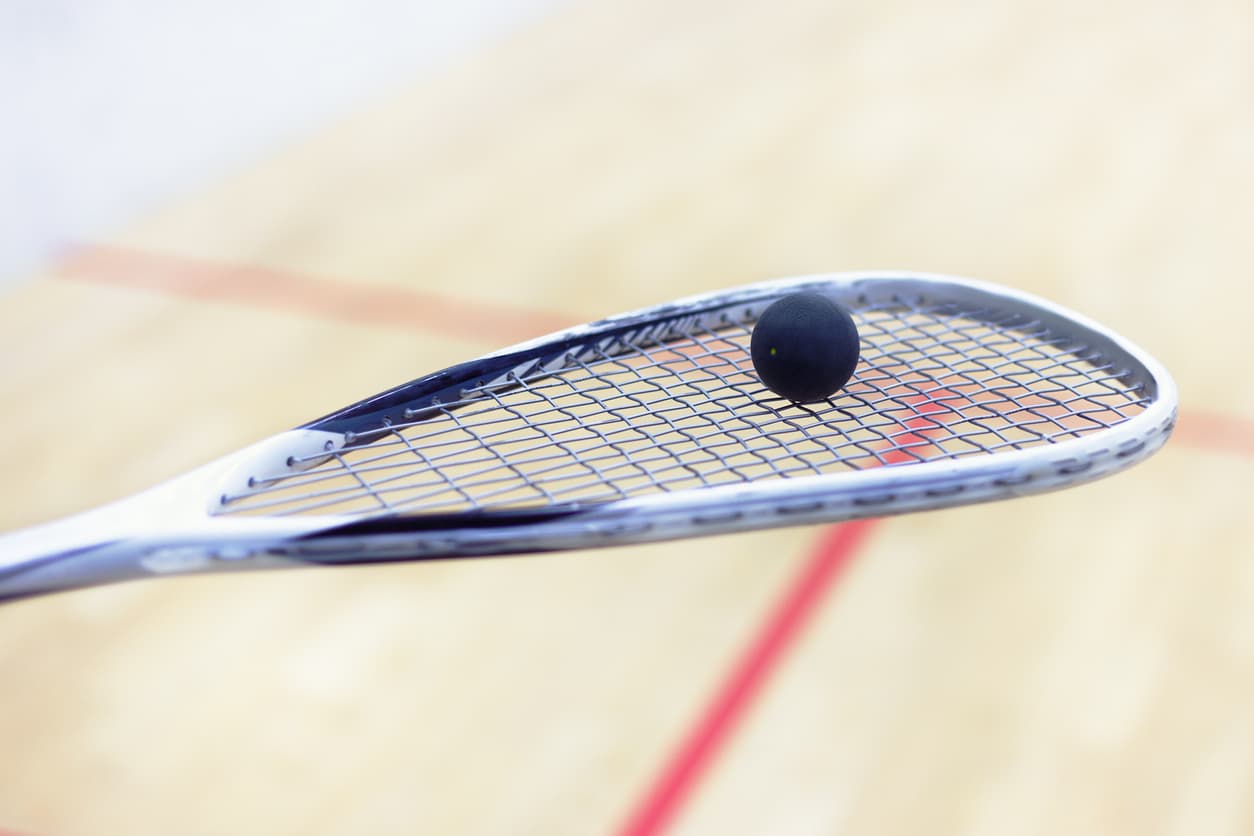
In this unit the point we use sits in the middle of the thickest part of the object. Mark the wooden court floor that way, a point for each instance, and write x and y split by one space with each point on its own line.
1077 663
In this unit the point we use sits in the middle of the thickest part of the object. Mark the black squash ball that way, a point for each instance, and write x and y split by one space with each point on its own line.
804 347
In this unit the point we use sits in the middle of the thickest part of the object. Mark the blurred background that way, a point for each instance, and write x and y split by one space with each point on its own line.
125 104
220 220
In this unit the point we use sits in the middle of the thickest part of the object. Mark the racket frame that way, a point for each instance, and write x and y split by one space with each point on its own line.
177 527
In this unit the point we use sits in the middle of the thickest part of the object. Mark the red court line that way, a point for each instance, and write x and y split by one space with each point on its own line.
292 292
403 307
1222 433
698 749
701 744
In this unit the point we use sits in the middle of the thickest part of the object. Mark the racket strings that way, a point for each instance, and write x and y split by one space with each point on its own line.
641 415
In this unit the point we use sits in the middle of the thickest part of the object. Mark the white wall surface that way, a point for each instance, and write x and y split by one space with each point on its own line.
107 107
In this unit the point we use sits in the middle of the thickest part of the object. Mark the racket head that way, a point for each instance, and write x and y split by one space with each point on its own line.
653 425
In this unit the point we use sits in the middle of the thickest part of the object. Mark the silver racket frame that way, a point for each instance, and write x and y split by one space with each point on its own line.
173 528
